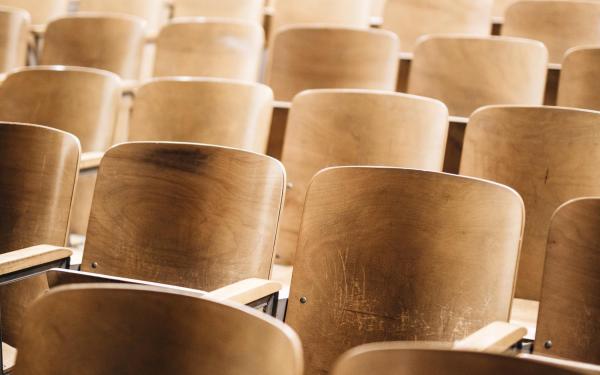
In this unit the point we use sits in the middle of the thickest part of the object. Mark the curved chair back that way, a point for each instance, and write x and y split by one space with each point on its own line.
215 111
500 7
245 10
400 254
14 36
41 11
154 12
579 77
548 154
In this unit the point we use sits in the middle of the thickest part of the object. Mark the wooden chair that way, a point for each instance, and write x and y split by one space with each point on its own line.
154 12
561 25
14 38
211 48
500 7
310 57
215 111
244 10
330 127
400 254
549 155
410 19
578 78
377 7
113 329
94 40
41 11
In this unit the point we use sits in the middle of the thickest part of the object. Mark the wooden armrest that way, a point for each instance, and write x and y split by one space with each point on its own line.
38 30
129 86
496 337
278 104
498 20
376 21
458 119
554 66
90 160
408 56
581 367
245 291
9 357
30 257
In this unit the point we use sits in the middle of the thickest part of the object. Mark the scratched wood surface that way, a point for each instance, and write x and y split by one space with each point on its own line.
395 254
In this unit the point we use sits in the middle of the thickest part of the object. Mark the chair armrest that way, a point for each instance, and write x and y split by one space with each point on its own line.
245 291
408 56
129 86
580 367
496 337
90 160
9 357
458 119
278 104
30 257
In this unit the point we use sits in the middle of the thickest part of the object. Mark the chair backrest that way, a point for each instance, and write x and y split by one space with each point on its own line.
41 11
80 101
500 7
38 170
467 72
560 24
121 329
410 19
111 42
407 358
400 254
313 57
191 215
154 12
333 127
215 111
579 78
548 154
571 283
14 36
210 48
245 10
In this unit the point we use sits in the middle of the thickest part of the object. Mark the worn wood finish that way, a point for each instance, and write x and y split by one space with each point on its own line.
549 155
579 79
113 329
14 36
154 12
468 72
215 111
245 10
571 283
211 48
190 215
355 127
559 24
96 40
41 11
312 57
400 358
410 19
399 254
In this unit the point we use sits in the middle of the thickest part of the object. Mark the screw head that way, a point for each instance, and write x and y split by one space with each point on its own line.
94 264
548 344
303 300
289 185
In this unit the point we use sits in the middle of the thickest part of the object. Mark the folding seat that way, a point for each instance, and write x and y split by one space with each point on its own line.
245 10
116 329
579 79
467 72
332 127
216 111
211 48
154 12
14 38
548 154
400 254
41 11
38 171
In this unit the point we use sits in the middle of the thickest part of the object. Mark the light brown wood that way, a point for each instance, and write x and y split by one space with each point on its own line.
404 358
111 42
29 257
579 77
467 72
500 7
581 368
211 48
559 24
496 337
154 12
191 215
549 155
41 11
571 283
246 10
113 329
524 313
411 19
245 291
90 160
215 111
332 127
9 358
14 37
377 8
313 57
400 254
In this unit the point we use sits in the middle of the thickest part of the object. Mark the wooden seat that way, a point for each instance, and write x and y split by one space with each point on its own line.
549 155
400 254
410 19
561 25
579 75
245 10
311 57
331 127
41 11
215 111
109 42
211 48
113 329
14 37
154 12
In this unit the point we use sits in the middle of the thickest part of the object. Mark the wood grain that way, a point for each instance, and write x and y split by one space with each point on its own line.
154 12
579 77
14 36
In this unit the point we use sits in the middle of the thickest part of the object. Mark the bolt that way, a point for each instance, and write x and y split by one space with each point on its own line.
94 264
289 186
548 344
303 300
